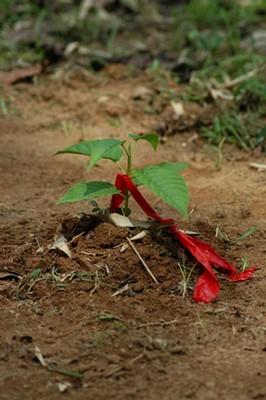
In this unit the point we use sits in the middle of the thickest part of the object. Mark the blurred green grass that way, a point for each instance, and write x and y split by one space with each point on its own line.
199 41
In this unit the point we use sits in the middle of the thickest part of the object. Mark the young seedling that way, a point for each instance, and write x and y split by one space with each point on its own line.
186 275
227 242
3 106
164 180
245 263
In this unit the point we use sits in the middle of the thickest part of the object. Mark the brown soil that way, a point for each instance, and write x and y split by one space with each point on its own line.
149 341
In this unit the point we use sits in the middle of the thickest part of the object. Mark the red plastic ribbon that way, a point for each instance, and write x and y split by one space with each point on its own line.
117 199
207 286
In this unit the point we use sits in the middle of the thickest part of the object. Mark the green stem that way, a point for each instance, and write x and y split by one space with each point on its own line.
129 161
129 152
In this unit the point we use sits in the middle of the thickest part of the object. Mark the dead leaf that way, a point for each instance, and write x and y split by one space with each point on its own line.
141 92
71 48
85 7
8 78
219 94
124 247
62 245
40 250
178 108
120 220
63 386
124 222
139 236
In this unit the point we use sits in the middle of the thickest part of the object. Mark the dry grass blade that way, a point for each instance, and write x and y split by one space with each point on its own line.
125 365
257 166
39 356
223 90
159 323
121 290
239 79
9 275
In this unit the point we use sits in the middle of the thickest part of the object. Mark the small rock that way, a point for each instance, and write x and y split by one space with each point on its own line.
177 350
114 358
138 287
167 284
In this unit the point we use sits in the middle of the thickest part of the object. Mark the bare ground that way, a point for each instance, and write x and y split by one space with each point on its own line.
147 342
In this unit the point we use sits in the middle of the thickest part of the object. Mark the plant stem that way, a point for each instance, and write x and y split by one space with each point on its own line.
120 167
129 152
129 161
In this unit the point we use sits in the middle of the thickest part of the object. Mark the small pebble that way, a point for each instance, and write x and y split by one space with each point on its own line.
138 287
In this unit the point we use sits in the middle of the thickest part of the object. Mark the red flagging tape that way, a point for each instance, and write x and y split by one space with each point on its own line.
207 286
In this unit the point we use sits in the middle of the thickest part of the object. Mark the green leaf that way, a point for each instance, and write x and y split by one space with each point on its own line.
88 190
105 316
64 371
166 184
97 149
167 166
152 138
246 234
172 166
33 275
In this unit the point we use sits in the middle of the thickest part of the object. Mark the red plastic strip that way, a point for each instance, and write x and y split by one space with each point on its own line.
207 286
117 199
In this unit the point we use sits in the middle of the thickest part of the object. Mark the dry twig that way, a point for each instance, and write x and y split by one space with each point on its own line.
142 261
